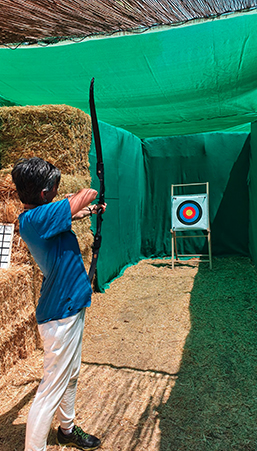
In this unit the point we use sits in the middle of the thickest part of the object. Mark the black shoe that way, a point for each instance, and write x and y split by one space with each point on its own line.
77 438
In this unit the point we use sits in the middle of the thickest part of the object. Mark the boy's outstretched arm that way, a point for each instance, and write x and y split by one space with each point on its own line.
79 203
81 199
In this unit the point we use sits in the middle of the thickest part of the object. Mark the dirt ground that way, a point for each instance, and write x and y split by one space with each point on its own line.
169 362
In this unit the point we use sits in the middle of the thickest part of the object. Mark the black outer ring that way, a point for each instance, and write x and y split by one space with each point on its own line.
198 217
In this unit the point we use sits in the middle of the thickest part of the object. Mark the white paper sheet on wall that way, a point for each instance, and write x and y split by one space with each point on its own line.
6 238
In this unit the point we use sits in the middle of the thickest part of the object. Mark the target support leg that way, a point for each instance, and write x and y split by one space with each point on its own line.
172 248
175 245
209 248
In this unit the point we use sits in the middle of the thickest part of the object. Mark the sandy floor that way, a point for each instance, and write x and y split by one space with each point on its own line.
149 381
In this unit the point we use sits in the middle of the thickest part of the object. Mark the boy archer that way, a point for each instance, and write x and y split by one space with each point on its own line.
65 294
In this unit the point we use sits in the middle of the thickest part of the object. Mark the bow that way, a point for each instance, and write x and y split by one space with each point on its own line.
100 175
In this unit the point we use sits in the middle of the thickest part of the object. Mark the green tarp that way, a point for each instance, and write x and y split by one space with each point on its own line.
180 80
124 183
218 158
138 176
253 195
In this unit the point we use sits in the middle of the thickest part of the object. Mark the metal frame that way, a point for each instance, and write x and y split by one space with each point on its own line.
174 237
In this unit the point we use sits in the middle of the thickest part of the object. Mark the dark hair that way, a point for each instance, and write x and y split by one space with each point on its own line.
33 175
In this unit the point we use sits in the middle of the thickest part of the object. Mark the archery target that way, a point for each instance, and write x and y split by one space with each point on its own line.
190 212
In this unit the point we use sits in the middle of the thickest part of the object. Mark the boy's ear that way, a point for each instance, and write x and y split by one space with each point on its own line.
43 195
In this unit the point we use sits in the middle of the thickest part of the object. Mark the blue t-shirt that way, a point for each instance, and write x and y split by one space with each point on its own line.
66 287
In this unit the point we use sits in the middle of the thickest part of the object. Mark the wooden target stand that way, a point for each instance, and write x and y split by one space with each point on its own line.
190 212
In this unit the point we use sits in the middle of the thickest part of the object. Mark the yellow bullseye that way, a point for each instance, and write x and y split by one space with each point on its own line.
189 213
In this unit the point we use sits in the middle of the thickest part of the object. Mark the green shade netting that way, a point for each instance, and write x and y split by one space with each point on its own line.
138 178
218 158
124 188
253 195
5 102
180 80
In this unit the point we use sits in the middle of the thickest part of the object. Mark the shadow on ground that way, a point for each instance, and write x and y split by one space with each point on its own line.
11 434
212 406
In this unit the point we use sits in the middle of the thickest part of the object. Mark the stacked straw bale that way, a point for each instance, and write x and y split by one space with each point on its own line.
61 135
58 133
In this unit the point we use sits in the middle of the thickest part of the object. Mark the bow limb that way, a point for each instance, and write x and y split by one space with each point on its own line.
100 175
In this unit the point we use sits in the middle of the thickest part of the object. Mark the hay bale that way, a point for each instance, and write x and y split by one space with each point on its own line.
19 343
61 135
16 295
18 332
58 133
10 208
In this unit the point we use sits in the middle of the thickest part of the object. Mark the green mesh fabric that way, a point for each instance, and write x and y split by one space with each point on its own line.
124 183
180 80
138 178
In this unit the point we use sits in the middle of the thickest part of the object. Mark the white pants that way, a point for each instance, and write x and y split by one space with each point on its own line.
62 341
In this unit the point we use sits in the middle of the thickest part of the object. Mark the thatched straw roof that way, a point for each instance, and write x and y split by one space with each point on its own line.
33 21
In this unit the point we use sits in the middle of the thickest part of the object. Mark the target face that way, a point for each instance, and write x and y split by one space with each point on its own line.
189 212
